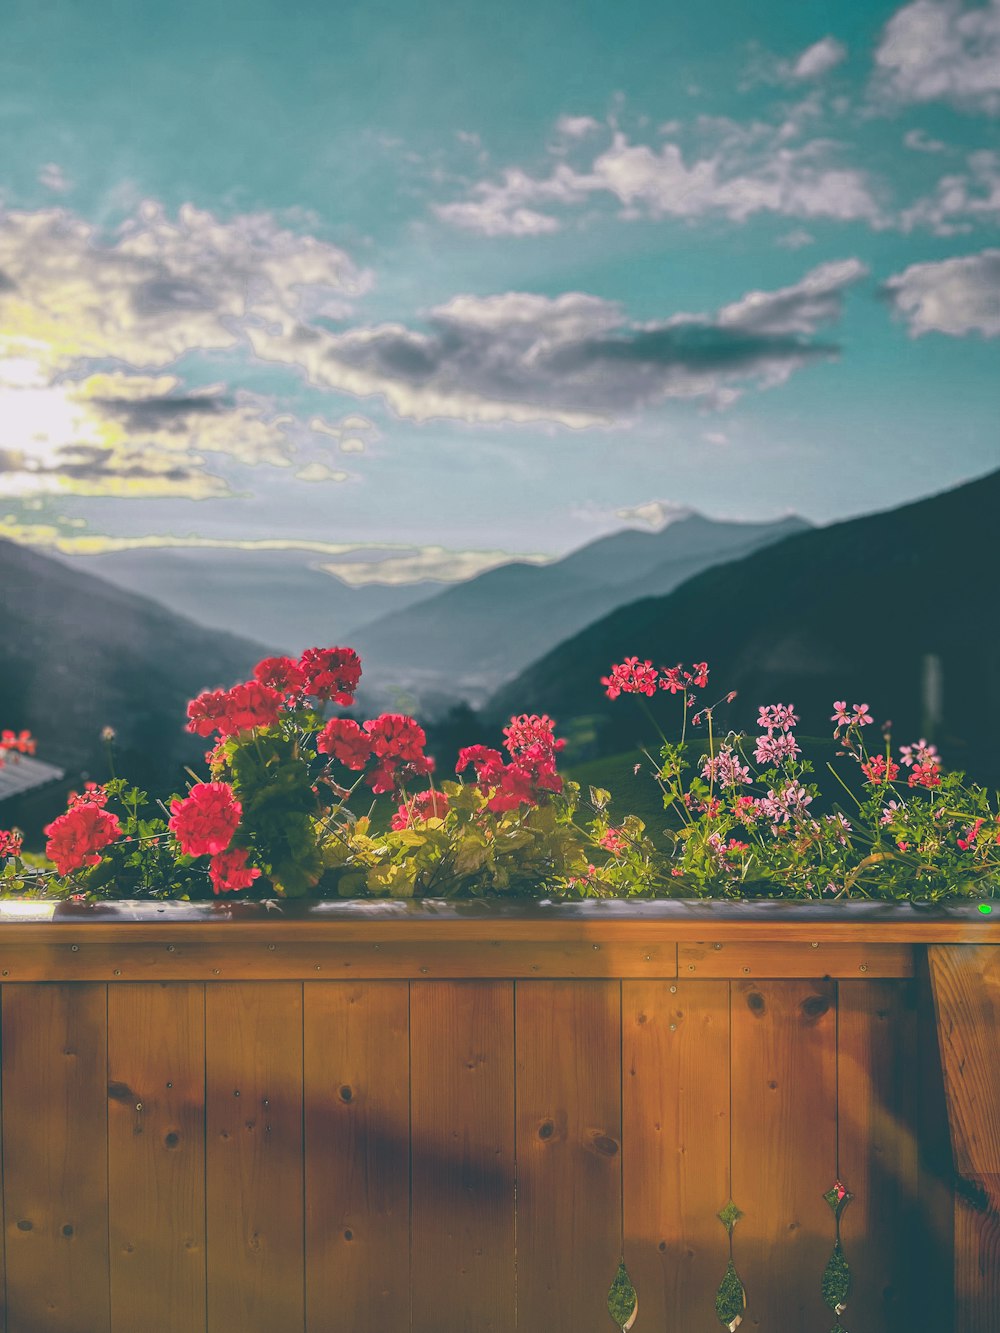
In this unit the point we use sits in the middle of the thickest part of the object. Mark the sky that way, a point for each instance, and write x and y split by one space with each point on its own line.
423 287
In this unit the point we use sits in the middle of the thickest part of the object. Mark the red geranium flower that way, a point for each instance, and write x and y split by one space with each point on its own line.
76 838
331 673
250 705
344 739
425 805
229 871
11 842
206 819
206 712
281 673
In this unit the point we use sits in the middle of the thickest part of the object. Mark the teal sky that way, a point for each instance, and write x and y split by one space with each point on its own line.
490 279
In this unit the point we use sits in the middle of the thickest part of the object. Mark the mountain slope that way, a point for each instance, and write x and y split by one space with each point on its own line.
898 609
281 598
485 630
78 654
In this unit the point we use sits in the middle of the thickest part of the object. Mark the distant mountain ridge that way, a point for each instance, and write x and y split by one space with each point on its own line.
898 609
278 597
78 654
483 631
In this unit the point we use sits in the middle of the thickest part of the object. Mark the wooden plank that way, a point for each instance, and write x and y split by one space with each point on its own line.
356 1084
602 922
675 1148
254 1217
156 1156
934 1256
878 1151
221 960
569 1206
966 984
55 1158
784 1146
462 1147
818 958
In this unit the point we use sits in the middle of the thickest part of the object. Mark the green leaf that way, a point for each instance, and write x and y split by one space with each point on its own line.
623 1303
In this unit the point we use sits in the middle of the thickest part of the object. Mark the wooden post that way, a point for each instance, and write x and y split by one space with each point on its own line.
966 984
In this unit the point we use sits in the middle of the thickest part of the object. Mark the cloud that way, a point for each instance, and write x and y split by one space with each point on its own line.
54 179
942 51
921 142
654 514
319 472
953 296
426 562
819 59
132 435
796 239
962 199
156 289
746 170
575 127
801 308
159 287
574 359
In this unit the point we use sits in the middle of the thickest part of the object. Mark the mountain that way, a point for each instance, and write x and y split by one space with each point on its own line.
282 598
471 637
896 609
78 654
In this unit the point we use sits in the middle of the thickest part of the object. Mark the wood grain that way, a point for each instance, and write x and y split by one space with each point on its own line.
356 1085
55 1158
254 1187
462 1145
222 960
569 1218
675 1148
966 984
784 1145
156 1156
878 1149
817 958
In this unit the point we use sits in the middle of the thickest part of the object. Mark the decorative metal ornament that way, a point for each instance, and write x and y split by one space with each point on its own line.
623 1303
731 1297
836 1283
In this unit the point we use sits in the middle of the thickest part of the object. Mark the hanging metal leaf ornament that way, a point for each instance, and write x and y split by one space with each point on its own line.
837 1280
836 1283
731 1297
623 1303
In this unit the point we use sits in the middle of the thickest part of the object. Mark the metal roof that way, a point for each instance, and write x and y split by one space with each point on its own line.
20 773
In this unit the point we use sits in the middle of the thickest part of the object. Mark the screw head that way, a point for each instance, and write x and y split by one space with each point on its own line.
673 990
862 967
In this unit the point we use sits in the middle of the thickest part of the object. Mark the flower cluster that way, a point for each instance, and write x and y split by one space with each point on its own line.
635 677
528 776
393 741
15 742
421 807
752 820
206 819
77 838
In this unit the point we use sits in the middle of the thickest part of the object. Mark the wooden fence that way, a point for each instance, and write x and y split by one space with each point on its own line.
385 1118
